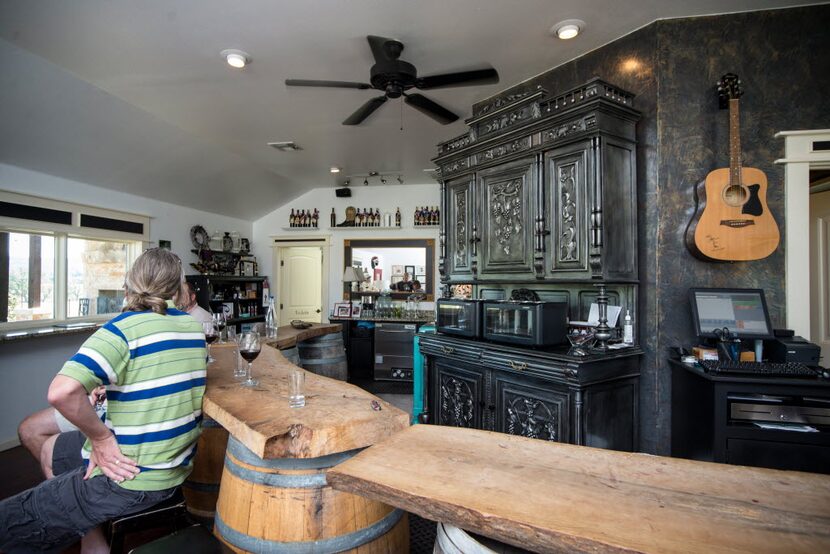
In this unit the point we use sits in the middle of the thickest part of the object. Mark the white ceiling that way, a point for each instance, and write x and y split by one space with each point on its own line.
133 96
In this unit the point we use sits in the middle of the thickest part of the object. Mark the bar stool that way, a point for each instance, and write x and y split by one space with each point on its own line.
194 539
170 513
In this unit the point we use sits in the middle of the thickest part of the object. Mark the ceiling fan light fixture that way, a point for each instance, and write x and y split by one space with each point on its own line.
567 29
236 58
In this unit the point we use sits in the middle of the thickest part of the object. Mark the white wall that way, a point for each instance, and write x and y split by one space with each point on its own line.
27 366
169 221
387 198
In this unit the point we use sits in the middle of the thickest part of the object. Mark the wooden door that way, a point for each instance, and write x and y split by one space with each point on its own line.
566 178
820 272
300 276
459 245
531 408
459 394
506 219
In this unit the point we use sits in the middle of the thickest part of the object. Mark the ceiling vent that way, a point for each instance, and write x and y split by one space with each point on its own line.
287 146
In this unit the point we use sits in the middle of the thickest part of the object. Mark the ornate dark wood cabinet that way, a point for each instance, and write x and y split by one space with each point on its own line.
540 193
590 401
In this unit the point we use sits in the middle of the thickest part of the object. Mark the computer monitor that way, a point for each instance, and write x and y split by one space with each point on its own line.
743 311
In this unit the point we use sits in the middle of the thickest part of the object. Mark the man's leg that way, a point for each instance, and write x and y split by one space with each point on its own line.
36 429
46 456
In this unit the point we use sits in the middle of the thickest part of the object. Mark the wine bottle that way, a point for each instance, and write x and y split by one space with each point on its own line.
315 220
291 218
333 218
398 217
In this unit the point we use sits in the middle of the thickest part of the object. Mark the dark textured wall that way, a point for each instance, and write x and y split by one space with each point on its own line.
672 66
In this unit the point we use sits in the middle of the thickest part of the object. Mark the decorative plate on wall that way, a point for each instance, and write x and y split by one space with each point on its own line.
199 237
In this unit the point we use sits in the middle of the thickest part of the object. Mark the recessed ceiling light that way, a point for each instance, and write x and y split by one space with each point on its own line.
567 29
334 169
236 58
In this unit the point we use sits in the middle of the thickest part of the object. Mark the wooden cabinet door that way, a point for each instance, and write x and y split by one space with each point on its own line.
567 171
459 394
531 408
506 219
459 246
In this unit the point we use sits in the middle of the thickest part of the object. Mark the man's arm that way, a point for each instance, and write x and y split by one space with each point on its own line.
69 397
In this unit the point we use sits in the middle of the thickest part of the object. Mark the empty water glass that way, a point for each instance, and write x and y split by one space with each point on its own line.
296 388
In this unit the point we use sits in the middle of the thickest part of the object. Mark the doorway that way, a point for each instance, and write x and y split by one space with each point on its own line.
301 267
820 263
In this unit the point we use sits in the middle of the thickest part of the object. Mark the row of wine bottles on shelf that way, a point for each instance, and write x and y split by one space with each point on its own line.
427 215
304 218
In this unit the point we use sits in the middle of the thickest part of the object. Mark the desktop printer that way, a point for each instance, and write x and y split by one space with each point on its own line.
792 349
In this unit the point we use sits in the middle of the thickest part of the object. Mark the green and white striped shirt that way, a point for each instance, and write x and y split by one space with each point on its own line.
153 367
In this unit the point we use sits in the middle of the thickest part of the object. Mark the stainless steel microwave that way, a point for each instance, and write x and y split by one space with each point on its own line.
525 323
459 317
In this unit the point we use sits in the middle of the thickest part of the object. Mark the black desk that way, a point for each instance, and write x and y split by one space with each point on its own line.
702 428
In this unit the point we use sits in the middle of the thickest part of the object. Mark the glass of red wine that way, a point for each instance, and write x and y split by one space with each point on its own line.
249 347
209 328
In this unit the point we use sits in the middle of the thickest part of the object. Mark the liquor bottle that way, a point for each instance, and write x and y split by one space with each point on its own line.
398 217
266 292
271 320
377 217
333 218
291 218
370 219
315 219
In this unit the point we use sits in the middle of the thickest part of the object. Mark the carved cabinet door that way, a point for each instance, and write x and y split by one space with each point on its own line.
459 241
506 219
567 173
531 408
459 394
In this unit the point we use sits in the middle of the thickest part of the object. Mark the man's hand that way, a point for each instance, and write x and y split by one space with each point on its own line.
106 455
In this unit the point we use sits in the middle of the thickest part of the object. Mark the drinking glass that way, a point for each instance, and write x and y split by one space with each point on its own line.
221 321
233 338
249 347
296 388
209 328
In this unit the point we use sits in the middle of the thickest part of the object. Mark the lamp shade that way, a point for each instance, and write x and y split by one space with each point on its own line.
352 274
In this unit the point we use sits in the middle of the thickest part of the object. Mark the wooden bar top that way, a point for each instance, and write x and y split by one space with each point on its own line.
288 336
551 497
337 417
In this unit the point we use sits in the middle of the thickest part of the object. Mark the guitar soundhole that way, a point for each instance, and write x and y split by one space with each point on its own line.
735 195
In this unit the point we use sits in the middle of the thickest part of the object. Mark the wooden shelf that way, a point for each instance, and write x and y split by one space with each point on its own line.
301 228
366 228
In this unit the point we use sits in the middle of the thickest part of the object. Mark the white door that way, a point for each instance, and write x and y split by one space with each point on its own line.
820 273
300 274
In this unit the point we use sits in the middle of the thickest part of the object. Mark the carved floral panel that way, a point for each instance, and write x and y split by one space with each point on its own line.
568 224
456 402
505 214
531 417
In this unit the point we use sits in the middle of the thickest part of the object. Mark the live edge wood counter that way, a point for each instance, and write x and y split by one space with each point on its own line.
551 497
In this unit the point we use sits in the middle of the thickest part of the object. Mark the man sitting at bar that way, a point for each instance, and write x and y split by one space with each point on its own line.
187 303
151 358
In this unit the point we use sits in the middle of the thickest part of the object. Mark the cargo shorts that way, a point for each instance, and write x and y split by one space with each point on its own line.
58 512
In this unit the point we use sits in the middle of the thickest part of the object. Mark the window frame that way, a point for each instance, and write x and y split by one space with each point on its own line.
61 234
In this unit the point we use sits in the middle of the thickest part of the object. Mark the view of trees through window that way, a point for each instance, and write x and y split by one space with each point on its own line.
30 272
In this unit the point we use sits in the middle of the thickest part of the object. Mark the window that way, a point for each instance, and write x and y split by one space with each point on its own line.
95 271
28 277
61 261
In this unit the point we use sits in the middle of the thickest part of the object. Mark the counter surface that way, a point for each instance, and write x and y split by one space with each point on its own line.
548 496
288 336
337 417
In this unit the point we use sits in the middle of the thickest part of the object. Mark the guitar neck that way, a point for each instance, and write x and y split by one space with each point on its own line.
734 143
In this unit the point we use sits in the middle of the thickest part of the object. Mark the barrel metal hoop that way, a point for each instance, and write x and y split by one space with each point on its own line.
303 481
244 454
334 544
320 361
201 487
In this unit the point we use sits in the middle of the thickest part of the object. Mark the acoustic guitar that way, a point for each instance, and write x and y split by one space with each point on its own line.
732 221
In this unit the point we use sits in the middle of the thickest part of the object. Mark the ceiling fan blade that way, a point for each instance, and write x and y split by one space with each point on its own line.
333 84
365 111
384 49
459 79
428 107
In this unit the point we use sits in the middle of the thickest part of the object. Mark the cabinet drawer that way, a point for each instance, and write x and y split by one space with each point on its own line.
463 352
512 362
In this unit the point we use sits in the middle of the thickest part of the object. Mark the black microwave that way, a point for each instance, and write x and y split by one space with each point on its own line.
460 317
525 323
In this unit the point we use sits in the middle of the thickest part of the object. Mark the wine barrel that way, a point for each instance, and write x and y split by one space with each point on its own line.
201 489
450 539
292 355
325 355
309 515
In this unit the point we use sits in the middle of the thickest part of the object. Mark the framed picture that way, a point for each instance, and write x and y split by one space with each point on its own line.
343 309
227 309
356 310
247 268
165 244
420 270
410 269
397 270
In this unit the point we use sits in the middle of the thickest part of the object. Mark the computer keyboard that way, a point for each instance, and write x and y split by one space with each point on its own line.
765 369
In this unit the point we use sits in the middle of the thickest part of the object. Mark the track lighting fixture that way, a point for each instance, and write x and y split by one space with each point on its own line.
373 177
383 180
366 182
400 179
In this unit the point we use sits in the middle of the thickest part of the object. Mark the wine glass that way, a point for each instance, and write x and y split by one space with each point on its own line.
209 328
221 321
249 347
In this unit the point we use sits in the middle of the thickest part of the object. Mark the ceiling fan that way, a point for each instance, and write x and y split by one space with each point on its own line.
394 77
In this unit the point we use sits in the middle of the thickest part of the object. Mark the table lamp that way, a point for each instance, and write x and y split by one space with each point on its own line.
352 275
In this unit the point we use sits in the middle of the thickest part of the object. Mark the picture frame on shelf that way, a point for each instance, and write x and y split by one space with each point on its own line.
343 309
247 268
227 309
356 310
